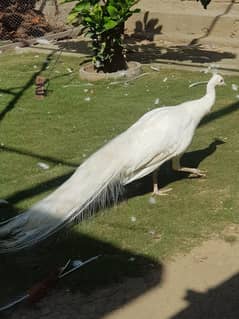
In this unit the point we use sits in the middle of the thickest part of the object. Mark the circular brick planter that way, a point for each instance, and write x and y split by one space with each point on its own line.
88 73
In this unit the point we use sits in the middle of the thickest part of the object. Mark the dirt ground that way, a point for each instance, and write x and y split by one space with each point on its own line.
200 284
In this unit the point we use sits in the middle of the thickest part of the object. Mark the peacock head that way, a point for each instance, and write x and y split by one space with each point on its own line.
217 79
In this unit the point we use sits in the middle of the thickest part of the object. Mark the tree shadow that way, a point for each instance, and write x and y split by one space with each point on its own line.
151 52
216 303
144 30
209 30
49 159
141 48
17 95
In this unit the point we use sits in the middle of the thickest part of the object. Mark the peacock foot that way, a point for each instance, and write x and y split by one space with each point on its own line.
197 173
161 192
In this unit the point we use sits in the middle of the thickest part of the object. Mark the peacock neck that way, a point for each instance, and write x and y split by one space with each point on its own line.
203 105
211 89
208 100
210 97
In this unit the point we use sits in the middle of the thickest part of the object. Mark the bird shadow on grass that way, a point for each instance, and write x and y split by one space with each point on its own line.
167 175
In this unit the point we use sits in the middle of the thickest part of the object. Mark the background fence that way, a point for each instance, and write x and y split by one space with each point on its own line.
24 19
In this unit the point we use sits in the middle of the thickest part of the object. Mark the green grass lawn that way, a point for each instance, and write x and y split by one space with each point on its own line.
74 120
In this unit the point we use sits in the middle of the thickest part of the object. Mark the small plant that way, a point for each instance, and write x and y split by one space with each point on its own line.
103 21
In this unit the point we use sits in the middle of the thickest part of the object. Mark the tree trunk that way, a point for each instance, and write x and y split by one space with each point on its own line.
117 61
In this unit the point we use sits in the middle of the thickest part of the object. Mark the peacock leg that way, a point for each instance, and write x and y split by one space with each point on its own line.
194 172
156 190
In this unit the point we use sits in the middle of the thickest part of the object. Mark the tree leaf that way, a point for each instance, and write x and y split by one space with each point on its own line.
73 17
113 12
81 8
110 24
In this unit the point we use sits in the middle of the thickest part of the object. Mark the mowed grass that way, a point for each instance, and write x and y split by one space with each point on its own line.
75 119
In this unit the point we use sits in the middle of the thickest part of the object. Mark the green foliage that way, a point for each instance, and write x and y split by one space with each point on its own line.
103 22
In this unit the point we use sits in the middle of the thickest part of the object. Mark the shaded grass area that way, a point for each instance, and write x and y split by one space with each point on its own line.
74 120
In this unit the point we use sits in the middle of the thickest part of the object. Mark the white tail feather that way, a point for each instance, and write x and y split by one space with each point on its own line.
92 183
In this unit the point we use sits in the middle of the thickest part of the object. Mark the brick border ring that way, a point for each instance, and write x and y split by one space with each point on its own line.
88 73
